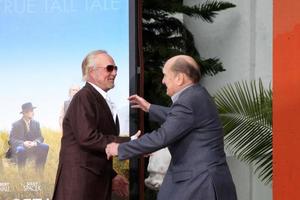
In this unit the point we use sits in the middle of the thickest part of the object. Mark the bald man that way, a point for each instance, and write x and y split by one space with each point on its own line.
192 131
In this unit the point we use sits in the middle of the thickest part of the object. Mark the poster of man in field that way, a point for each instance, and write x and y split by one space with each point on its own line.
42 46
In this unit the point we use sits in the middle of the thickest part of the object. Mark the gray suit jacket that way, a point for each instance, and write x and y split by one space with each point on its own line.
192 131
19 134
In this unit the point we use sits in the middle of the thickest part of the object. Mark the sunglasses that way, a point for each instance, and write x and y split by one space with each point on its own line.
110 68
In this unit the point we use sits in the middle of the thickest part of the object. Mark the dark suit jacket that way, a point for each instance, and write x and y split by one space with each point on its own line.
193 132
19 134
83 170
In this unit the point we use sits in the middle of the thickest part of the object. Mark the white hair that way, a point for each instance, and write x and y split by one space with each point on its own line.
89 61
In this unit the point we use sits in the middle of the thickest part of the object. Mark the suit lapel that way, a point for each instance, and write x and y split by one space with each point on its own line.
102 102
117 124
23 126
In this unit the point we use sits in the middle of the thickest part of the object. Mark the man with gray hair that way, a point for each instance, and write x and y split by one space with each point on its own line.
192 131
88 126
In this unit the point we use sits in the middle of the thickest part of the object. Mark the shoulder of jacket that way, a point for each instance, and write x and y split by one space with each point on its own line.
18 122
35 122
83 93
191 95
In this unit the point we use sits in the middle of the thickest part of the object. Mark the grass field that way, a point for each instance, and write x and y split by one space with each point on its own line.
28 184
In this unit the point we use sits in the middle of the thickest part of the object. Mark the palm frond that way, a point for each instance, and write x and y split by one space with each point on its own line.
246 113
207 11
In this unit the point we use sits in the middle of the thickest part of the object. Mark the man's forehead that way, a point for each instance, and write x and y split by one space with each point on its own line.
170 62
103 58
28 111
163 69
168 65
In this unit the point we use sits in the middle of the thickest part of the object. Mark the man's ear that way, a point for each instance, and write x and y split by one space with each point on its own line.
90 72
179 79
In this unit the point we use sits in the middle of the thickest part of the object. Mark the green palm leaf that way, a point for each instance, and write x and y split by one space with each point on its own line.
246 113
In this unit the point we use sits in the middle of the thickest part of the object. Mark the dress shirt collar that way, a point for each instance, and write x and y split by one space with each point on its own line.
177 94
110 104
102 92
26 121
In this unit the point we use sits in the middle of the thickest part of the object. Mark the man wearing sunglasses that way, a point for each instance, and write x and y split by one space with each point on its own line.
88 126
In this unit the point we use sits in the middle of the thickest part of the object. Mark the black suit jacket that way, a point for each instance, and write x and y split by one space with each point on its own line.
88 126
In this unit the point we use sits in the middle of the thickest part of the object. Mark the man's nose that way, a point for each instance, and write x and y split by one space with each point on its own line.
114 72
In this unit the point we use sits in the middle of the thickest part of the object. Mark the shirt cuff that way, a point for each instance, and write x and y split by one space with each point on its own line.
134 137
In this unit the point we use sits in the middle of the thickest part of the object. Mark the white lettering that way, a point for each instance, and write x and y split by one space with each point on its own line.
31 6
95 5
32 186
65 6
54 7
4 187
8 7
19 6
115 4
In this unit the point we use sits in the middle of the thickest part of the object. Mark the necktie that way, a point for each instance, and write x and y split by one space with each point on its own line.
27 125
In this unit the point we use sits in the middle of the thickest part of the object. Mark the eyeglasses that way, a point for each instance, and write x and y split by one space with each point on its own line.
109 68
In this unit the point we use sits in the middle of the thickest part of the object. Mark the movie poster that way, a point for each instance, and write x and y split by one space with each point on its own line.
43 43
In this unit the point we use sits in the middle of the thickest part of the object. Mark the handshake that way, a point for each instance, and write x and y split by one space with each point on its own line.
112 148
137 102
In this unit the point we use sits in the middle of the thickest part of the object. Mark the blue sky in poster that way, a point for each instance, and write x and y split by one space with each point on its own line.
42 44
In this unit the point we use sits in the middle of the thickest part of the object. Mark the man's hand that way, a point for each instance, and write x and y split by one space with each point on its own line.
120 186
29 144
111 150
34 143
139 102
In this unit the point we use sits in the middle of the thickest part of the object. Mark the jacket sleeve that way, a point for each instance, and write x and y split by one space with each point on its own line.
179 122
15 138
158 113
83 122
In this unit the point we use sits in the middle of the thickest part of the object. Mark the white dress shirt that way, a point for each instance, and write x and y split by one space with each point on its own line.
177 94
112 105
